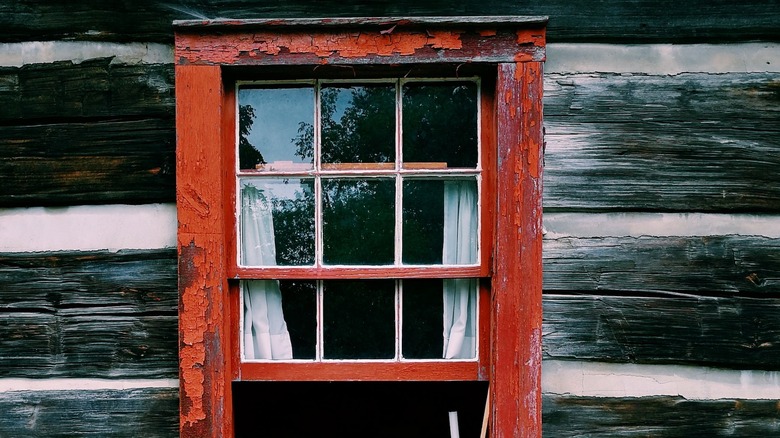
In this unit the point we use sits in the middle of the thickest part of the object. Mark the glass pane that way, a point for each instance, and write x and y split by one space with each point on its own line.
277 221
422 319
280 319
440 125
440 222
423 221
299 302
358 124
359 319
276 128
358 221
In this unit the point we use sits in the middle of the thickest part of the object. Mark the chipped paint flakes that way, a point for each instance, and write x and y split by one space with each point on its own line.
343 44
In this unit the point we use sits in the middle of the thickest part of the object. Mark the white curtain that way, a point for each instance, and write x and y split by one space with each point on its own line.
265 331
460 247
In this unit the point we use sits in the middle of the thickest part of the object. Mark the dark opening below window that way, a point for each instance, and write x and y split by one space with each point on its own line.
357 409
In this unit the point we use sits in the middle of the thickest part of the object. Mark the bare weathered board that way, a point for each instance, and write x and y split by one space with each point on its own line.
659 417
93 132
697 265
738 333
96 314
97 132
690 142
689 300
613 20
151 412
95 88
122 161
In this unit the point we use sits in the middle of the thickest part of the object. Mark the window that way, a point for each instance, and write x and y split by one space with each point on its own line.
354 174
359 201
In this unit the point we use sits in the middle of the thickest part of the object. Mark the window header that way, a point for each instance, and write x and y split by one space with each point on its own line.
353 41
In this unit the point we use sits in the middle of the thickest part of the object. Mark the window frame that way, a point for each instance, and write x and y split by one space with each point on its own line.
211 55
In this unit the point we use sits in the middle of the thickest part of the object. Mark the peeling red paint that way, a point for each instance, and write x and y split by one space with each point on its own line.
192 325
342 44
208 361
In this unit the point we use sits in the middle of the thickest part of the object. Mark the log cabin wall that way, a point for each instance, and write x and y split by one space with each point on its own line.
662 213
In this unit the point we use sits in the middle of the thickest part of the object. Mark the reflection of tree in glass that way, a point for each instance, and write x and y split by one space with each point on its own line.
358 125
248 156
294 226
358 221
423 221
440 123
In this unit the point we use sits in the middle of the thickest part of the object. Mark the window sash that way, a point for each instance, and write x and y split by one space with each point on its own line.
320 171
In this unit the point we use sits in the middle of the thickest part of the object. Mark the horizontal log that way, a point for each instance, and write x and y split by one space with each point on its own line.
691 142
94 88
706 265
135 281
152 412
108 161
114 314
96 314
658 417
739 333
614 20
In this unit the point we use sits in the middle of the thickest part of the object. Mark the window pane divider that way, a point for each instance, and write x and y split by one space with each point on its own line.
356 272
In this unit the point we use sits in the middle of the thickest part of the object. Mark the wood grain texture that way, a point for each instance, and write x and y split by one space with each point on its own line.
740 333
691 142
86 133
94 162
151 412
612 20
695 300
707 265
96 314
659 417
94 88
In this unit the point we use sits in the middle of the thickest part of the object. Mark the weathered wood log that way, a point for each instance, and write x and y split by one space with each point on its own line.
740 333
94 88
658 417
152 412
107 161
706 265
691 142
93 314
609 299
614 20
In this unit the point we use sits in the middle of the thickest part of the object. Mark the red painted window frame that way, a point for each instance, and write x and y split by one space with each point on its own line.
207 55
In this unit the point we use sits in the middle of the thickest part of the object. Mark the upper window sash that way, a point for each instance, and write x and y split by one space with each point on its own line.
397 176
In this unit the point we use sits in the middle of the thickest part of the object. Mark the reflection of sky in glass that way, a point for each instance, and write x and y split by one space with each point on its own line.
279 112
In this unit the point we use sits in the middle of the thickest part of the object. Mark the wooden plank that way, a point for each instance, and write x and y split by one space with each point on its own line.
371 46
107 161
96 314
659 417
516 317
605 21
94 88
204 316
151 412
691 142
706 265
598 306
735 332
